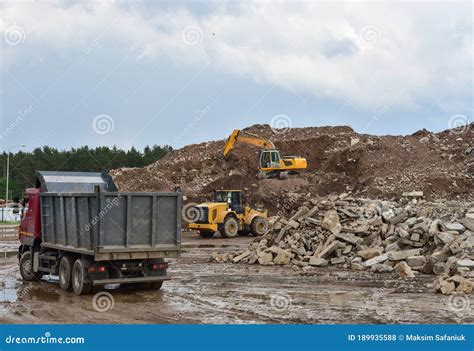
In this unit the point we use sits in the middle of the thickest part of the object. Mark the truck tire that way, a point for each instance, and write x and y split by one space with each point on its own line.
26 268
156 285
79 284
150 285
259 226
230 227
65 273
206 234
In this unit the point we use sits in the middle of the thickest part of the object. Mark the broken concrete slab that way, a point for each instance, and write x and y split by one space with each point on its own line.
465 263
331 222
401 255
318 261
403 270
369 253
416 261
350 238
376 260
326 252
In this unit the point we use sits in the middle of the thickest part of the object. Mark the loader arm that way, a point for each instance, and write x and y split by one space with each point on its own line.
248 138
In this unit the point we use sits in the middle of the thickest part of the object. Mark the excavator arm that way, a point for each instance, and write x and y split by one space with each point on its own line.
248 138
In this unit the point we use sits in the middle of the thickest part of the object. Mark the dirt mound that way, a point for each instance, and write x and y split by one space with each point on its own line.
339 160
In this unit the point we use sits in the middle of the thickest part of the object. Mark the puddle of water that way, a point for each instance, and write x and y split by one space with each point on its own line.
8 246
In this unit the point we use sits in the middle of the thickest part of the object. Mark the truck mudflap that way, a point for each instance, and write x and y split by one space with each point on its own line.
130 280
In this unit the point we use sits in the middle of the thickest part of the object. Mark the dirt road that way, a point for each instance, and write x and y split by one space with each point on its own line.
204 292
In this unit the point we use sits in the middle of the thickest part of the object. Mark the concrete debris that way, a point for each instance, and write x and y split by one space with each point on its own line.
369 253
404 270
400 237
455 284
331 222
317 261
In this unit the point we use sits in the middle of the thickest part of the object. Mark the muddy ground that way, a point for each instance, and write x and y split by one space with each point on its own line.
205 292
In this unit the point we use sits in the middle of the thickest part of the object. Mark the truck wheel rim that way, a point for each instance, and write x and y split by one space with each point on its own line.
27 266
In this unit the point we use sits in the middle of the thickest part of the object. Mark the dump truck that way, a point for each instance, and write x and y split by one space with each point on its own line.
76 225
271 164
228 216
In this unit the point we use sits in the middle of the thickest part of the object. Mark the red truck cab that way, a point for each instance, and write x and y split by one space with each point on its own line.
30 224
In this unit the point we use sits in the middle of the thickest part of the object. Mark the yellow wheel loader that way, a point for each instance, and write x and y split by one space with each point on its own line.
271 164
227 216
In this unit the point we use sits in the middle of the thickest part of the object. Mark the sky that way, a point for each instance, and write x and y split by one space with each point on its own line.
132 73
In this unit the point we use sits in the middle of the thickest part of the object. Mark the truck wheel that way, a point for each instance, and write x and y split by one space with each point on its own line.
156 285
230 227
65 273
150 285
259 226
79 284
26 268
206 234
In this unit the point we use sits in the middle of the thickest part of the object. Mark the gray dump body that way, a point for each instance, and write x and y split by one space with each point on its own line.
112 225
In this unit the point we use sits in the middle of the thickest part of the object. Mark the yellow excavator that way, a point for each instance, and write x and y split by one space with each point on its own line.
271 164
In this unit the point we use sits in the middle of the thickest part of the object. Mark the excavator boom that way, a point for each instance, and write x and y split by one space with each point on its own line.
248 138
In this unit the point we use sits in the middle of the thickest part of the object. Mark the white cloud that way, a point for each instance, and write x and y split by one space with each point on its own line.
372 54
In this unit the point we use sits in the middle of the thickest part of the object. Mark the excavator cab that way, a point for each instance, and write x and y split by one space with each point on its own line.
269 159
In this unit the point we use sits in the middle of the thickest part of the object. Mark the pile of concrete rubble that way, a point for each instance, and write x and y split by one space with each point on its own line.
408 237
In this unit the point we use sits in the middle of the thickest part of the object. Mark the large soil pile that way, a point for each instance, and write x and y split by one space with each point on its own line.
339 161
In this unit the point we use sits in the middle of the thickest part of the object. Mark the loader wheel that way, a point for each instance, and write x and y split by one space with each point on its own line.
206 234
26 268
259 226
65 272
79 283
230 227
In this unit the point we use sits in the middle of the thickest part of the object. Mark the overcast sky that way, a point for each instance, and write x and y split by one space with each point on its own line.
131 73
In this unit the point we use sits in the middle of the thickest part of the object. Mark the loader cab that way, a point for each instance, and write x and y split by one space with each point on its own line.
269 159
232 197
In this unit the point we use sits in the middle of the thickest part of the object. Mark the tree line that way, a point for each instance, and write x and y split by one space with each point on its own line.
23 165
